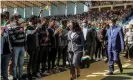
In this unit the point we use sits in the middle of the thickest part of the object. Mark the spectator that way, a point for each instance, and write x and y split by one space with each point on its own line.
33 47
129 40
6 50
18 44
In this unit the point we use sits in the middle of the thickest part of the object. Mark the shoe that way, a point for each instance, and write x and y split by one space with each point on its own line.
50 72
36 75
78 75
125 57
57 71
97 59
92 60
109 73
53 71
20 79
14 78
65 68
29 76
44 74
106 60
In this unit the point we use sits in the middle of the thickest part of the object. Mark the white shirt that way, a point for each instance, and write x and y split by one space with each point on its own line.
85 32
129 37
72 35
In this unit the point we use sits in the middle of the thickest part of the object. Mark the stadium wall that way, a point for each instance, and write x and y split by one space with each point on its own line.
80 8
70 8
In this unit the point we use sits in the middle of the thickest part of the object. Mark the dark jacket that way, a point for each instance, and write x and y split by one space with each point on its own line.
43 35
32 38
63 42
52 39
77 43
5 44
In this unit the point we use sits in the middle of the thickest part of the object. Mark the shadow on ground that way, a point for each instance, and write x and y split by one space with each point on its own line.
129 74
127 68
116 78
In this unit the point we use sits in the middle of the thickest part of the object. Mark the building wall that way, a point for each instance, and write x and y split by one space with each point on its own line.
61 9
21 11
45 13
28 12
36 11
86 8
70 8
54 10
11 10
79 8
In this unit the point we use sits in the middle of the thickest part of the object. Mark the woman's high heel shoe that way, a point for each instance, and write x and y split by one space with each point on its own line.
78 75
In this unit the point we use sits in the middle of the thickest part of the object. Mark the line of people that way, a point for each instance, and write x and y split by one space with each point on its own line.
47 41
40 39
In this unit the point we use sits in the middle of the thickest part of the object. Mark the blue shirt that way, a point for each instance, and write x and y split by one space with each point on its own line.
112 30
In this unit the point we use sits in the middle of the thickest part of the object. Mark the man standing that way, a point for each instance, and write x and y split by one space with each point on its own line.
6 49
129 41
62 44
94 38
33 47
115 45
17 37
52 45
88 37
43 42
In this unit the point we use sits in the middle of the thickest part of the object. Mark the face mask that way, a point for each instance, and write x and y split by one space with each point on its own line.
84 25
110 24
130 30
61 26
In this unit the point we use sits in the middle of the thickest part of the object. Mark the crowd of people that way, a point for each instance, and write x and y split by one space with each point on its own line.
100 3
97 17
50 40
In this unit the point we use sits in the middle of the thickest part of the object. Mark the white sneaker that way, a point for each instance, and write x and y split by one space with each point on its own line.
38 75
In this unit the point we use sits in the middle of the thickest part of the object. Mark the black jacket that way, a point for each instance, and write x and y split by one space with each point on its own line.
52 39
32 38
43 35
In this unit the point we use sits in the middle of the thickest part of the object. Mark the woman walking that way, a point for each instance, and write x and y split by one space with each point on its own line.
75 48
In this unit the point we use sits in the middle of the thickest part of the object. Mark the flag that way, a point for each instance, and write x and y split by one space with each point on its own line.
47 7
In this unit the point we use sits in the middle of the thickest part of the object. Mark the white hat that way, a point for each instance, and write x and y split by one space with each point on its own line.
131 22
